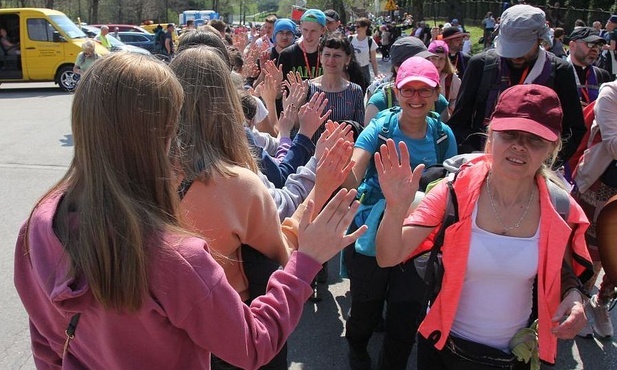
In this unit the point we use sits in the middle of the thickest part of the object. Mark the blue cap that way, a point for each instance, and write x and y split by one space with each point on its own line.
283 24
314 15
613 18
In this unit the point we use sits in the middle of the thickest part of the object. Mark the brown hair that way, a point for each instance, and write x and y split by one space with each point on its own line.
211 135
124 116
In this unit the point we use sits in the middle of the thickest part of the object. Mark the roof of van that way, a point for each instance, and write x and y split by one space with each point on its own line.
41 10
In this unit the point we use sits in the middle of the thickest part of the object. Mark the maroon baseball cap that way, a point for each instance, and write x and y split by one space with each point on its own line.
530 108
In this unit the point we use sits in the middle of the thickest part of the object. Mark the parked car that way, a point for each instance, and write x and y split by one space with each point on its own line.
139 39
122 27
116 45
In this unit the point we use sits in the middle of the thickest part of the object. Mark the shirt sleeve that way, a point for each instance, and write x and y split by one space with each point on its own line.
378 99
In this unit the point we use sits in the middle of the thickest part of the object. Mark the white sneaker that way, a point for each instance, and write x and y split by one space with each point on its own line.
601 324
586 332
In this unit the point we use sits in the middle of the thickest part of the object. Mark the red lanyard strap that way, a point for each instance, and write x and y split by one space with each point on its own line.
306 61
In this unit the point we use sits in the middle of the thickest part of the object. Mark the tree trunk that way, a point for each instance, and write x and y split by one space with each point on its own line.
417 7
94 12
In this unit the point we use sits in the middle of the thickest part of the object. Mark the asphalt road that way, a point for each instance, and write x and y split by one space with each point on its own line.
35 149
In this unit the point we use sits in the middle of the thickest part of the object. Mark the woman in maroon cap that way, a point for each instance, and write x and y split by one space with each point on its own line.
511 262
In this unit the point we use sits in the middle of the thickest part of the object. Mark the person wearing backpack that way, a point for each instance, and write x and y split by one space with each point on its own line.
517 59
509 259
417 89
365 47
381 95
159 39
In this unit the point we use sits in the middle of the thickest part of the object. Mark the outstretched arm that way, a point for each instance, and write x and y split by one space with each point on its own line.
399 184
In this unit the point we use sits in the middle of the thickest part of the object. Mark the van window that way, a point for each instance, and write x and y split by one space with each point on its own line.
40 29
69 28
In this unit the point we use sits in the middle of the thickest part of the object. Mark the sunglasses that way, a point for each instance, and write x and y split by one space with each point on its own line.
593 44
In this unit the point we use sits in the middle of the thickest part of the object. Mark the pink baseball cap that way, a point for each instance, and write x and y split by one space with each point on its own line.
417 69
439 46
530 108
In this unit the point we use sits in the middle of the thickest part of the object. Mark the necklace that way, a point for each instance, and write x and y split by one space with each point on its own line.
517 224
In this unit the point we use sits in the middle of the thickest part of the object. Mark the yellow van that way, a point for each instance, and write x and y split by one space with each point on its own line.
45 46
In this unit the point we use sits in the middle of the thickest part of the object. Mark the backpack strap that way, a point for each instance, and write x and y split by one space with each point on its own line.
487 91
384 134
434 279
440 137
388 91
559 199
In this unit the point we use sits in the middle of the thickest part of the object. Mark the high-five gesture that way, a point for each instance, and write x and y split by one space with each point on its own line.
310 116
398 182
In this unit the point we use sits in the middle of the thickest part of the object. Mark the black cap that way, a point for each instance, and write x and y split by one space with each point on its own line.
332 15
586 34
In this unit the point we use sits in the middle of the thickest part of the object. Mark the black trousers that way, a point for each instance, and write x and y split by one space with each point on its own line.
371 286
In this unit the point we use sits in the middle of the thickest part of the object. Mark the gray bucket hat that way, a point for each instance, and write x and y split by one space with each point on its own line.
520 29
407 47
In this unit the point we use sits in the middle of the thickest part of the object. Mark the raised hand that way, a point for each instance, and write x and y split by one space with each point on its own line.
324 236
397 181
330 137
269 89
332 169
286 122
295 92
310 116
275 72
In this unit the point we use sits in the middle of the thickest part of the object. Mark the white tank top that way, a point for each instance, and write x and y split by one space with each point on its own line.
497 295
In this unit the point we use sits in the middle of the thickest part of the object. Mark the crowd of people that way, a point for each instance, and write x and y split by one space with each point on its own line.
207 194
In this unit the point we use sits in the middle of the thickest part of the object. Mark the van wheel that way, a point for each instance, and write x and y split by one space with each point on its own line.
66 79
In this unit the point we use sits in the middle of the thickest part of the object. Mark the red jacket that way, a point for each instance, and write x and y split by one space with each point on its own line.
555 234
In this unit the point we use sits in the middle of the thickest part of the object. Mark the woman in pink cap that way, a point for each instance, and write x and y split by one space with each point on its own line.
512 259
450 83
416 89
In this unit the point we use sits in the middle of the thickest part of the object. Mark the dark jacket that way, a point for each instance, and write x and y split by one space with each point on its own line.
470 114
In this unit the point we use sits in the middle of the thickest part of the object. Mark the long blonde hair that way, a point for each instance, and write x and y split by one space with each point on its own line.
124 115
211 135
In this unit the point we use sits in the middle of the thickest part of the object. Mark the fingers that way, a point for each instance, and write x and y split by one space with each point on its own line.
307 216
335 210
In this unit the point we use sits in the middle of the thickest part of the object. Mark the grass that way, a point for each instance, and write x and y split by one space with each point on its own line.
475 34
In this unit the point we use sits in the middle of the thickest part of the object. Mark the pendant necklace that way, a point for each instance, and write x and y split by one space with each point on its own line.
518 223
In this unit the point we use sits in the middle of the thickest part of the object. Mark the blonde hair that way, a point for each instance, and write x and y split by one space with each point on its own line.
124 115
211 135
88 45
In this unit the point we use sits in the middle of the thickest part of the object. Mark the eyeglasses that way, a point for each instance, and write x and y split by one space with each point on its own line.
425 92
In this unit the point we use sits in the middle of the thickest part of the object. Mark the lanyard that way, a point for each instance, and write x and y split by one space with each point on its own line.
524 76
584 89
309 71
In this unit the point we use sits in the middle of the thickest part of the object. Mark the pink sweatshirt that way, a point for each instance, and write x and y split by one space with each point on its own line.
190 311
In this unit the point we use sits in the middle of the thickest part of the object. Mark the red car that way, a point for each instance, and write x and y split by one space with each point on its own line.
121 27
